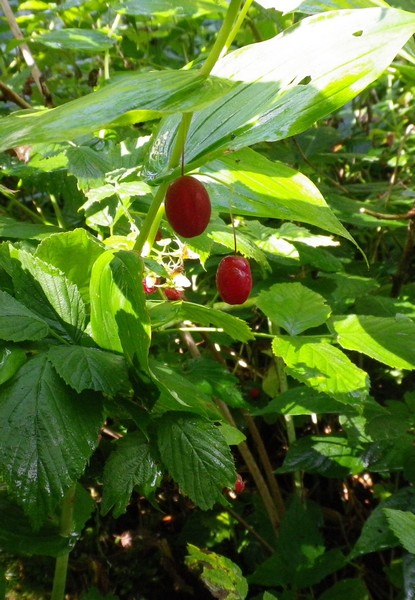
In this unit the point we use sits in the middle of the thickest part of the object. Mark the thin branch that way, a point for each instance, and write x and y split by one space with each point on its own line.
26 53
389 217
9 94
251 529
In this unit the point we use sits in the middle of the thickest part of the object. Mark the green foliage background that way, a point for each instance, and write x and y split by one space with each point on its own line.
124 416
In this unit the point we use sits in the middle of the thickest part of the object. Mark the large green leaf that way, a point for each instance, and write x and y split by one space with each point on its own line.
10 229
46 291
80 40
293 306
132 463
279 92
402 523
18 323
196 455
256 186
48 434
388 340
164 91
119 319
74 253
165 8
90 369
323 367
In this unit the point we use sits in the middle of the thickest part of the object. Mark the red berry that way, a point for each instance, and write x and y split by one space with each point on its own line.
173 294
149 284
239 484
187 206
254 393
234 279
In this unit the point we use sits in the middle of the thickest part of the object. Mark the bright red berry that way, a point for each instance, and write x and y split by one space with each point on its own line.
239 484
187 206
234 279
173 294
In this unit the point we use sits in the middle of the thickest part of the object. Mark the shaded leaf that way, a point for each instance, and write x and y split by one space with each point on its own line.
80 40
18 323
402 524
90 369
186 8
11 359
133 462
10 229
48 434
203 315
197 457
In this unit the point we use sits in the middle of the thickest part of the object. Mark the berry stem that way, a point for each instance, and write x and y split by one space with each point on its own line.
66 529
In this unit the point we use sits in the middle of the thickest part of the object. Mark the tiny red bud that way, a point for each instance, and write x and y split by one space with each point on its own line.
239 484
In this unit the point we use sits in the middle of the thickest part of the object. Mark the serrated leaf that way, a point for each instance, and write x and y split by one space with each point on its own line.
165 91
119 318
90 369
11 359
80 40
18 323
203 315
402 524
323 367
388 340
257 186
48 433
72 252
197 457
347 589
133 462
330 456
221 576
376 534
293 307
303 401
48 293
180 394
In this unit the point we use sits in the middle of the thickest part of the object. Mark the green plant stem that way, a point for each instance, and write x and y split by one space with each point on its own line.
155 214
237 24
66 528
58 212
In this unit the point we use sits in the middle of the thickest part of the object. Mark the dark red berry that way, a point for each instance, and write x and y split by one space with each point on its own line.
239 484
254 393
234 279
173 294
187 206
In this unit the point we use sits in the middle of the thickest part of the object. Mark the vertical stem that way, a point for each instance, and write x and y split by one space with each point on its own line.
223 35
58 212
66 528
237 25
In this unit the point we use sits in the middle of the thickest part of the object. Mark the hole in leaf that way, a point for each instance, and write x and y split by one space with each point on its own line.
305 80
358 33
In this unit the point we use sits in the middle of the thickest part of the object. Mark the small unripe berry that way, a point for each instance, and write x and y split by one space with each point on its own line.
187 206
234 279
239 484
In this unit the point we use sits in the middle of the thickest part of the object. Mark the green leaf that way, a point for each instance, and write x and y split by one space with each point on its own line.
11 359
402 523
180 394
323 367
329 455
203 315
197 457
48 293
119 318
165 91
79 40
376 534
18 323
303 401
88 166
94 594
347 589
133 462
279 94
293 307
164 8
74 253
222 577
388 340
257 186
48 434
90 369
10 229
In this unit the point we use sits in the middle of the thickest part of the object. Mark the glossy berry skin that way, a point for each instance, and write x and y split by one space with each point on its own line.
239 484
234 279
173 294
187 206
